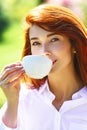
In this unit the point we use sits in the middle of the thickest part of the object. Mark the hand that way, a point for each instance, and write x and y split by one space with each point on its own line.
10 84
10 80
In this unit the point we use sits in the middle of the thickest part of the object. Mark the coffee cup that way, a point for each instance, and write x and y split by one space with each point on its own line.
37 66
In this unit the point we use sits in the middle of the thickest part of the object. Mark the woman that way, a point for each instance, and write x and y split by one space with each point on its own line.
59 100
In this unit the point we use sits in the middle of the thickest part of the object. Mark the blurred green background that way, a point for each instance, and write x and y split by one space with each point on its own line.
12 14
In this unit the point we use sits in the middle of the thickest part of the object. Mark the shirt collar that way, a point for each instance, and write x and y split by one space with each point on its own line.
45 92
44 87
81 93
78 98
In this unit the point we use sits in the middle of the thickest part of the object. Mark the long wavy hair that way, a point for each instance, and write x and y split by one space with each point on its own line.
62 21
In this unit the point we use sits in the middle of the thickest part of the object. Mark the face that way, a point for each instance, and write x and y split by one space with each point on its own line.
54 46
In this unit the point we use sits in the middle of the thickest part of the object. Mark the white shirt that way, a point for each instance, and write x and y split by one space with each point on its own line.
36 111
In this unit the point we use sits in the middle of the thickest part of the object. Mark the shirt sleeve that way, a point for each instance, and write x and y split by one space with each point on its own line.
20 113
2 125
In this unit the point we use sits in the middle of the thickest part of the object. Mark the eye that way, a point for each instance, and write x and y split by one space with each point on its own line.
35 43
54 39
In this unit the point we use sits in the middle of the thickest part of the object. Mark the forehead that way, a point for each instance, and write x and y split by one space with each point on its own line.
36 31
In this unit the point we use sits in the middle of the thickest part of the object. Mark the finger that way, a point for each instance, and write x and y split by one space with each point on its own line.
13 83
11 77
10 66
15 75
13 65
8 71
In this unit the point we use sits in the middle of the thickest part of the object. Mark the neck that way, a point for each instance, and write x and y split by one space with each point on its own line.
64 84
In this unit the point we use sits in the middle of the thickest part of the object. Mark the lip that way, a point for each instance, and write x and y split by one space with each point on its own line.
54 61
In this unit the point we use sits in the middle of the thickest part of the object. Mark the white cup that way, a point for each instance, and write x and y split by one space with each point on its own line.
36 66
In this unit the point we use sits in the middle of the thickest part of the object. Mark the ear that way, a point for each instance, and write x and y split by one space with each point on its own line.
73 51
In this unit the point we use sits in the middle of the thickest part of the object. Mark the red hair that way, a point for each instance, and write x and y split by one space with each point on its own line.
62 21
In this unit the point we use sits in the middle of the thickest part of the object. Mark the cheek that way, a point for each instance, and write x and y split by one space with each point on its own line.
35 51
57 48
66 55
63 52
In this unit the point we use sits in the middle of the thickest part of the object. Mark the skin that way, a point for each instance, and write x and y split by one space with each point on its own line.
63 80
10 84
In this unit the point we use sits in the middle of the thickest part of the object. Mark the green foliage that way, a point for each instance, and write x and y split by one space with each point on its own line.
10 49
41 1
4 23
2 98
16 9
84 8
12 44
13 11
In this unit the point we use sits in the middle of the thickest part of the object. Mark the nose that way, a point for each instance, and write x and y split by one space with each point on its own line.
46 51
46 54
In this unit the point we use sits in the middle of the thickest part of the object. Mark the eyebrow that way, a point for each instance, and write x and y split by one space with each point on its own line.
35 38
